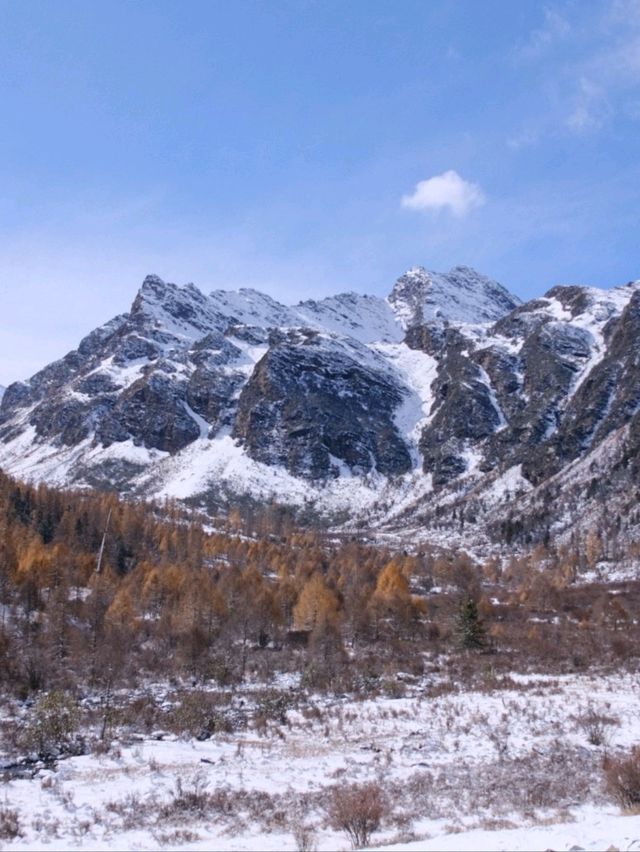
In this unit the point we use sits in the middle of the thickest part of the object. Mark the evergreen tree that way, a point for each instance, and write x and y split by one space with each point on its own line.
470 627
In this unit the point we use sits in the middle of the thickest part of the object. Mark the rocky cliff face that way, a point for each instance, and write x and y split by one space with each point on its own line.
538 388
383 410
317 407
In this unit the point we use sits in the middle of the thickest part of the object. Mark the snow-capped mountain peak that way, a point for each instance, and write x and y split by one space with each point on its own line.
461 295
182 311
189 313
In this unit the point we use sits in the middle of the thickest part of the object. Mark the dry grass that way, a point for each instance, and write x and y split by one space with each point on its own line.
622 779
10 826
304 834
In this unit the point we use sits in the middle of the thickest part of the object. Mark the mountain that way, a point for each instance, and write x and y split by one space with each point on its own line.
461 295
448 407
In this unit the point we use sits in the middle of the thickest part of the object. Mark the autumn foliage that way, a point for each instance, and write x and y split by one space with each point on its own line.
183 596
173 597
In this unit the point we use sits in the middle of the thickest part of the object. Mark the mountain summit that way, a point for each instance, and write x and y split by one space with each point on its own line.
461 295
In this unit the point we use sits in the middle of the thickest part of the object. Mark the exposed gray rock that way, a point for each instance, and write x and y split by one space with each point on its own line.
152 412
309 406
465 409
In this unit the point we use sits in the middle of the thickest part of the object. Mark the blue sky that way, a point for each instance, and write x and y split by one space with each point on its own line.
306 148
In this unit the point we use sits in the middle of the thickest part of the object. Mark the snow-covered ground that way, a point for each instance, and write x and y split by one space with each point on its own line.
510 766
591 829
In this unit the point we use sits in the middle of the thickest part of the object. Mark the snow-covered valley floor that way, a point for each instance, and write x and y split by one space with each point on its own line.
515 765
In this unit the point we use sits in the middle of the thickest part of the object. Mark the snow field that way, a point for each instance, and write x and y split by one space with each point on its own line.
507 768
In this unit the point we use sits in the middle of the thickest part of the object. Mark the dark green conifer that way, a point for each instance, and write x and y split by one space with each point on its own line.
470 627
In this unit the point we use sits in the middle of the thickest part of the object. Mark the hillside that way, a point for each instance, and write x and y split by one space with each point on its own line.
414 416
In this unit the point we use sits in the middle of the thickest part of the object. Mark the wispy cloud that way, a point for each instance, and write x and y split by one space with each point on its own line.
590 109
554 28
596 76
447 191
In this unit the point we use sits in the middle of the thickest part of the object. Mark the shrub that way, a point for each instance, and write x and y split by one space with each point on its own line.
273 705
622 776
393 688
10 827
594 724
194 801
304 835
131 810
54 722
358 810
197 715
175 838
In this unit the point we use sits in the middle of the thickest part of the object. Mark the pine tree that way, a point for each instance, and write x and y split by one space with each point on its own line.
470 627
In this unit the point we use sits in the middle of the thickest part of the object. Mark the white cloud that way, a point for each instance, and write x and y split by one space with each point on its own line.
445 191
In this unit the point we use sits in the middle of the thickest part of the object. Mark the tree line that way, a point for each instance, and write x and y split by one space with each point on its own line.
170 596
95 589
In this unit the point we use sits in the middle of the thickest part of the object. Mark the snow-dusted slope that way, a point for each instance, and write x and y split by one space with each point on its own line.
364 318
249 307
